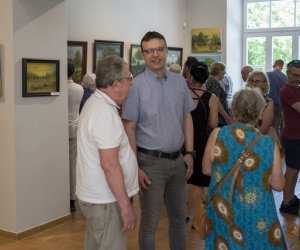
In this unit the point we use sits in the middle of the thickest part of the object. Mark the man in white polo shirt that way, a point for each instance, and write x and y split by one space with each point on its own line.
106 165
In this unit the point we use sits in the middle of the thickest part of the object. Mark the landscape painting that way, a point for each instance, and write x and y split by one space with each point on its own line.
137 63
206 40
209 59
40 77
77 54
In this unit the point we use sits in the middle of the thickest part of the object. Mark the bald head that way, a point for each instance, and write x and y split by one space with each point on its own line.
245 71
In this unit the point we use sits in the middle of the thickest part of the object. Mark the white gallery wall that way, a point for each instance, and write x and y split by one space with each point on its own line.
34 172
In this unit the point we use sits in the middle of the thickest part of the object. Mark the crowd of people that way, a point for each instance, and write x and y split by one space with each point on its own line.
178 128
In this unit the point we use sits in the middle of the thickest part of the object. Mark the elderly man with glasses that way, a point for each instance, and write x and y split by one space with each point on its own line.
290 101
158 122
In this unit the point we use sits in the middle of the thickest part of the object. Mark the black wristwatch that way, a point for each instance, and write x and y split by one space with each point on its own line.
192 153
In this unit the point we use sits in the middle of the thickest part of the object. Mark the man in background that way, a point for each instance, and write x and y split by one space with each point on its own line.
277 79
245 71
75 93
107 174
290 102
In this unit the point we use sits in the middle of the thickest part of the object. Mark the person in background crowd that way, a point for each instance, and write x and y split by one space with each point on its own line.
205 117
107 170
89 86
277 79
158 122
217 72
176 68
248 219
290 103
258 79
75 93
186 68
245 71
227 85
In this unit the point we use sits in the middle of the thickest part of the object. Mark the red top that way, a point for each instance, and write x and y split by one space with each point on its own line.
291 125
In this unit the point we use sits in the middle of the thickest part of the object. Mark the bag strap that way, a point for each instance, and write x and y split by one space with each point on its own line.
235 169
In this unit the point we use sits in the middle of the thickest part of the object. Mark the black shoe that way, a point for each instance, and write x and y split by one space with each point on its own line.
292 207
72 206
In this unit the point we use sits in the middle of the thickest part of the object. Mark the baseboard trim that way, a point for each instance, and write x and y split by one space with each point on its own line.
35 230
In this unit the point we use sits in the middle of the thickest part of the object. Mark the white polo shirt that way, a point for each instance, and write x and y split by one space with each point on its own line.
100 127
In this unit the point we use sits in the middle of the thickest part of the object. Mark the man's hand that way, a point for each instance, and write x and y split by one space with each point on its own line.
129 218
144 181
189 162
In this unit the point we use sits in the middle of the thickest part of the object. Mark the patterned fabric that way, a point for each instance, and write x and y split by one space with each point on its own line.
251 221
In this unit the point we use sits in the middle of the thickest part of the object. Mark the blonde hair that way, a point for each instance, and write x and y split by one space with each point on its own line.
216 68
265 79
248 104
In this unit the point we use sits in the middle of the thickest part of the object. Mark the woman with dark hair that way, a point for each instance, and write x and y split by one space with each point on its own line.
205 117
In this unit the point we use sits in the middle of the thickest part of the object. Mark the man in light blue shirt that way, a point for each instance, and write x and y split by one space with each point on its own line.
158 123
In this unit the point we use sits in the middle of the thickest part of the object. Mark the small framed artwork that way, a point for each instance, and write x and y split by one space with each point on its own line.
77 53
104 48
136 61
174 56
40 77
206 40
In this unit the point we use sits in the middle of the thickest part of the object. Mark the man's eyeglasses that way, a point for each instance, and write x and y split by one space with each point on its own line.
151 50
129 78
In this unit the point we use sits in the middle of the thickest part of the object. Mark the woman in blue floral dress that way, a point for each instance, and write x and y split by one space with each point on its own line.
250 221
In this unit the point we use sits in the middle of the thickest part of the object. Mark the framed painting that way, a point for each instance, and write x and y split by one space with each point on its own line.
104 48
206 40
40 77
209 59
136 61
77 53
174 56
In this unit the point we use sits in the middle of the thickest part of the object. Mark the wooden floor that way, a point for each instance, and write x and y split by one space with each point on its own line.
70 235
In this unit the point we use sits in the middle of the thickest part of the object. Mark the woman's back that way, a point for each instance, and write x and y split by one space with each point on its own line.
251 221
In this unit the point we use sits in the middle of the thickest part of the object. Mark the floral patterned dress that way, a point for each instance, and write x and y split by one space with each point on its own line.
251 221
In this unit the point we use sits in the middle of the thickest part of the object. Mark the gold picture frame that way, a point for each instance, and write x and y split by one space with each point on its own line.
206 40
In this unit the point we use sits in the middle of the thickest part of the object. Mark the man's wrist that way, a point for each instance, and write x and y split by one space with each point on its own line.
190 152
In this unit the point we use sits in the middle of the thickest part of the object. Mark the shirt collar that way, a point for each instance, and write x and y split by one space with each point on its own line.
102 95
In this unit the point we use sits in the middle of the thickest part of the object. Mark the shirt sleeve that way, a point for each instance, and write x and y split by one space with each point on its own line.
130 108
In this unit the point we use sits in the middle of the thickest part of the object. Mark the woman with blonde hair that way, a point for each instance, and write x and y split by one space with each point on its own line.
242 213
217 71
258 79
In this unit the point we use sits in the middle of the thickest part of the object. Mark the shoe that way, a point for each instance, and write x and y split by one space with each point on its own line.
292 207
72 206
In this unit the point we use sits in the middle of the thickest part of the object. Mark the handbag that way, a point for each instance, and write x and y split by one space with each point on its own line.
201 223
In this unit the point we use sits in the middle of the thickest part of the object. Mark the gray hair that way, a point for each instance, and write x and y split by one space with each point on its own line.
89 81
109 70
265 79
248 105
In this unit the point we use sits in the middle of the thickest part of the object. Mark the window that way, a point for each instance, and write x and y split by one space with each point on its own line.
271 31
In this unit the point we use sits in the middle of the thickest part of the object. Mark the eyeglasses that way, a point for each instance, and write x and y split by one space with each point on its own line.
129 78
256 81
151 50
294 62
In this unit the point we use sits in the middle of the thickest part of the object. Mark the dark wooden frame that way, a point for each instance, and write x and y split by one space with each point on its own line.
175 50
41 86
136 61
82 45
106 45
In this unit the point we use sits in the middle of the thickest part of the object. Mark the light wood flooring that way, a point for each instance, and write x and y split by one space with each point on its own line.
70 235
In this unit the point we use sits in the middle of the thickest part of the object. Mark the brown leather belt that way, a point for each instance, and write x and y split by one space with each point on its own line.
159 154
